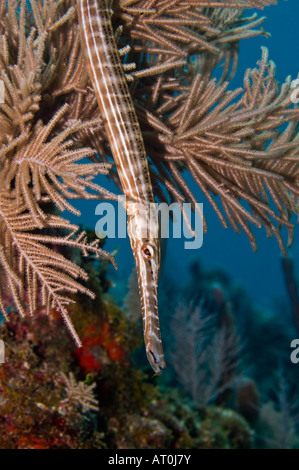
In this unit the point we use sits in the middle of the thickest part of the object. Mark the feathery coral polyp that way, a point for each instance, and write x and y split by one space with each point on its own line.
239 146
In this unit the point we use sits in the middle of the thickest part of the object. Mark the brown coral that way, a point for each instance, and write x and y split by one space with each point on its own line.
241 146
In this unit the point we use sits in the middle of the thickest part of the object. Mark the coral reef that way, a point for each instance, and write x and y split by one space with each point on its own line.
98 395
264 333
239 145
36 408
244 150
250 380
94 397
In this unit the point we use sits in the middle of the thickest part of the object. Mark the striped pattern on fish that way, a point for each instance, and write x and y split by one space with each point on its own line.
125 138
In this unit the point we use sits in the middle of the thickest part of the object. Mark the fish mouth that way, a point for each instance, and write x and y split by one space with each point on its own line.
157 361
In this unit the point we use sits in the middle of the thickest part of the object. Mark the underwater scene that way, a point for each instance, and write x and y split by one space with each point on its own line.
149 196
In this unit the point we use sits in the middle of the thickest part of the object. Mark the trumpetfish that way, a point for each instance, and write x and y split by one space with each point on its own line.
126 142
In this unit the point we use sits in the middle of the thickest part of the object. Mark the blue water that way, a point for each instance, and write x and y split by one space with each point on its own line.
260 272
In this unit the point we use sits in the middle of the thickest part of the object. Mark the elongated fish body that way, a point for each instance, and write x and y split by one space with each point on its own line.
125 138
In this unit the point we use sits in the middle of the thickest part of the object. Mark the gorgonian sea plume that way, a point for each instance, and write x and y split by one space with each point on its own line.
239 145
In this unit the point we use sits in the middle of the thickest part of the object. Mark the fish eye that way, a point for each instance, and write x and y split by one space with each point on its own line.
147 251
